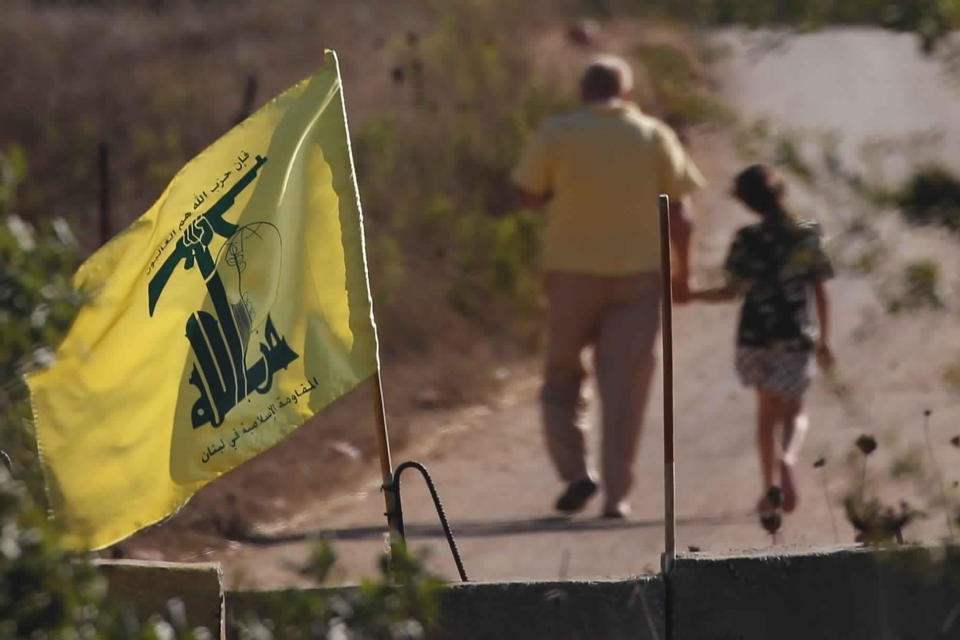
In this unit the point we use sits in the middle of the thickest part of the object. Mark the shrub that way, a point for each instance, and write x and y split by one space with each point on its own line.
37 305
931 20
48 593
678 86
402 604
932 196
435 168
919 287
951 377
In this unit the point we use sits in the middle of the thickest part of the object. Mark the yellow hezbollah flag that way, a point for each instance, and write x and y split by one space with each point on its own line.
228 314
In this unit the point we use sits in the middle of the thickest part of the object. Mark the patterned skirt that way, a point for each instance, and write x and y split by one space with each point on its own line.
786 373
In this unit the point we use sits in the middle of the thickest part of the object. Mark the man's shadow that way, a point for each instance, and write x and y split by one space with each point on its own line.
489 528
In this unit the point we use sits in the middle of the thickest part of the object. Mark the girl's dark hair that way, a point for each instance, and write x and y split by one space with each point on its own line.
760 188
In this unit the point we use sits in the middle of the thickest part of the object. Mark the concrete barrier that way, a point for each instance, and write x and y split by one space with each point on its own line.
843 593
147 586
625 609
903 593
631 609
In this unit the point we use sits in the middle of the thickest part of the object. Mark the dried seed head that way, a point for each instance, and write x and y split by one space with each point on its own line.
867 444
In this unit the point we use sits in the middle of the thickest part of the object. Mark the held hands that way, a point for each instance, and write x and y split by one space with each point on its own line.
722 294
825 356
681 289
683 294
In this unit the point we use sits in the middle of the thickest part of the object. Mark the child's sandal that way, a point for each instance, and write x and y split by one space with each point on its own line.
769 508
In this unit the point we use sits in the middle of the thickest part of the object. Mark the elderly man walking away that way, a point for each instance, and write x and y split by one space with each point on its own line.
599 170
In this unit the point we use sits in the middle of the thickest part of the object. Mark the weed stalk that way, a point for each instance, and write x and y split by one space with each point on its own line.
863 477
936 469
821 464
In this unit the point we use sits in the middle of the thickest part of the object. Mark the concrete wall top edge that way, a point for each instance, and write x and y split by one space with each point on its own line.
517 584
604 582
158 564
808 552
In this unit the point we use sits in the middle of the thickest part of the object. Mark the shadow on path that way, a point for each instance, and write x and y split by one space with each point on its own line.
490 528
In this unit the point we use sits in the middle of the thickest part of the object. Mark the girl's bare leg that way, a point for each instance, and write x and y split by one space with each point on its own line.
768 416
794 432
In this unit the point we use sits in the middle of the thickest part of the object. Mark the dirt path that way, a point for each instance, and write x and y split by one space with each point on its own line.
489 462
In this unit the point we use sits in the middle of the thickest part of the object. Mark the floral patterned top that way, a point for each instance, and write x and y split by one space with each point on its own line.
776 262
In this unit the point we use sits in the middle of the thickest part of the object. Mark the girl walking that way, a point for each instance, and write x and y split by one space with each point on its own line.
774 265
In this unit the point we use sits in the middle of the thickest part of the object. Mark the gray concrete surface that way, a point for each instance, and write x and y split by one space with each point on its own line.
148 586
608 610
558 610
904 593
611 610
843 594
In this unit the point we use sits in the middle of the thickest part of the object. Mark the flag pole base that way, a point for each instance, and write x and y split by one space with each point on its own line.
396 514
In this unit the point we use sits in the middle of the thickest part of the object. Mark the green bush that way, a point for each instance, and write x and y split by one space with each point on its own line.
931 19
920 284
402 604
678 86
435 168
932 196
48 593
37 305
951 377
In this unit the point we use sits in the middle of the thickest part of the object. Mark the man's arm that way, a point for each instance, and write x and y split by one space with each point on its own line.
726 293
533 176
678 176
530 200
681 230
824 354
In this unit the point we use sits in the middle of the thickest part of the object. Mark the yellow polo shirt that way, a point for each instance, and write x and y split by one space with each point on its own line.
605 166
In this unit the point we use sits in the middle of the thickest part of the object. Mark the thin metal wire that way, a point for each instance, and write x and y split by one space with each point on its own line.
395 488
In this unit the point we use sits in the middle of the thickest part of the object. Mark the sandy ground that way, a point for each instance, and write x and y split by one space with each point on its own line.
488 461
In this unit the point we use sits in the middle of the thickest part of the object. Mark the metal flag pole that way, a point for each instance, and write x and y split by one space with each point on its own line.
390 497
669 488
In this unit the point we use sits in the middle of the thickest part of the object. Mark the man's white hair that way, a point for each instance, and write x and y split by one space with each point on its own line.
618 67
606 77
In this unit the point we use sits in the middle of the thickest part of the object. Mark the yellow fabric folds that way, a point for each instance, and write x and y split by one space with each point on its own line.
228 314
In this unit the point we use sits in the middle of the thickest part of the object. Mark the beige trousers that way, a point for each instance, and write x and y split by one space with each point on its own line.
620 317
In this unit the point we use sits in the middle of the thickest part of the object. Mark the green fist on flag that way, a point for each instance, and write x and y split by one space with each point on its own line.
221 320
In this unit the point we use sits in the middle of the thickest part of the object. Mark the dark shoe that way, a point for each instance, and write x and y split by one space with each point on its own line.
769 510
576 495
771 521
